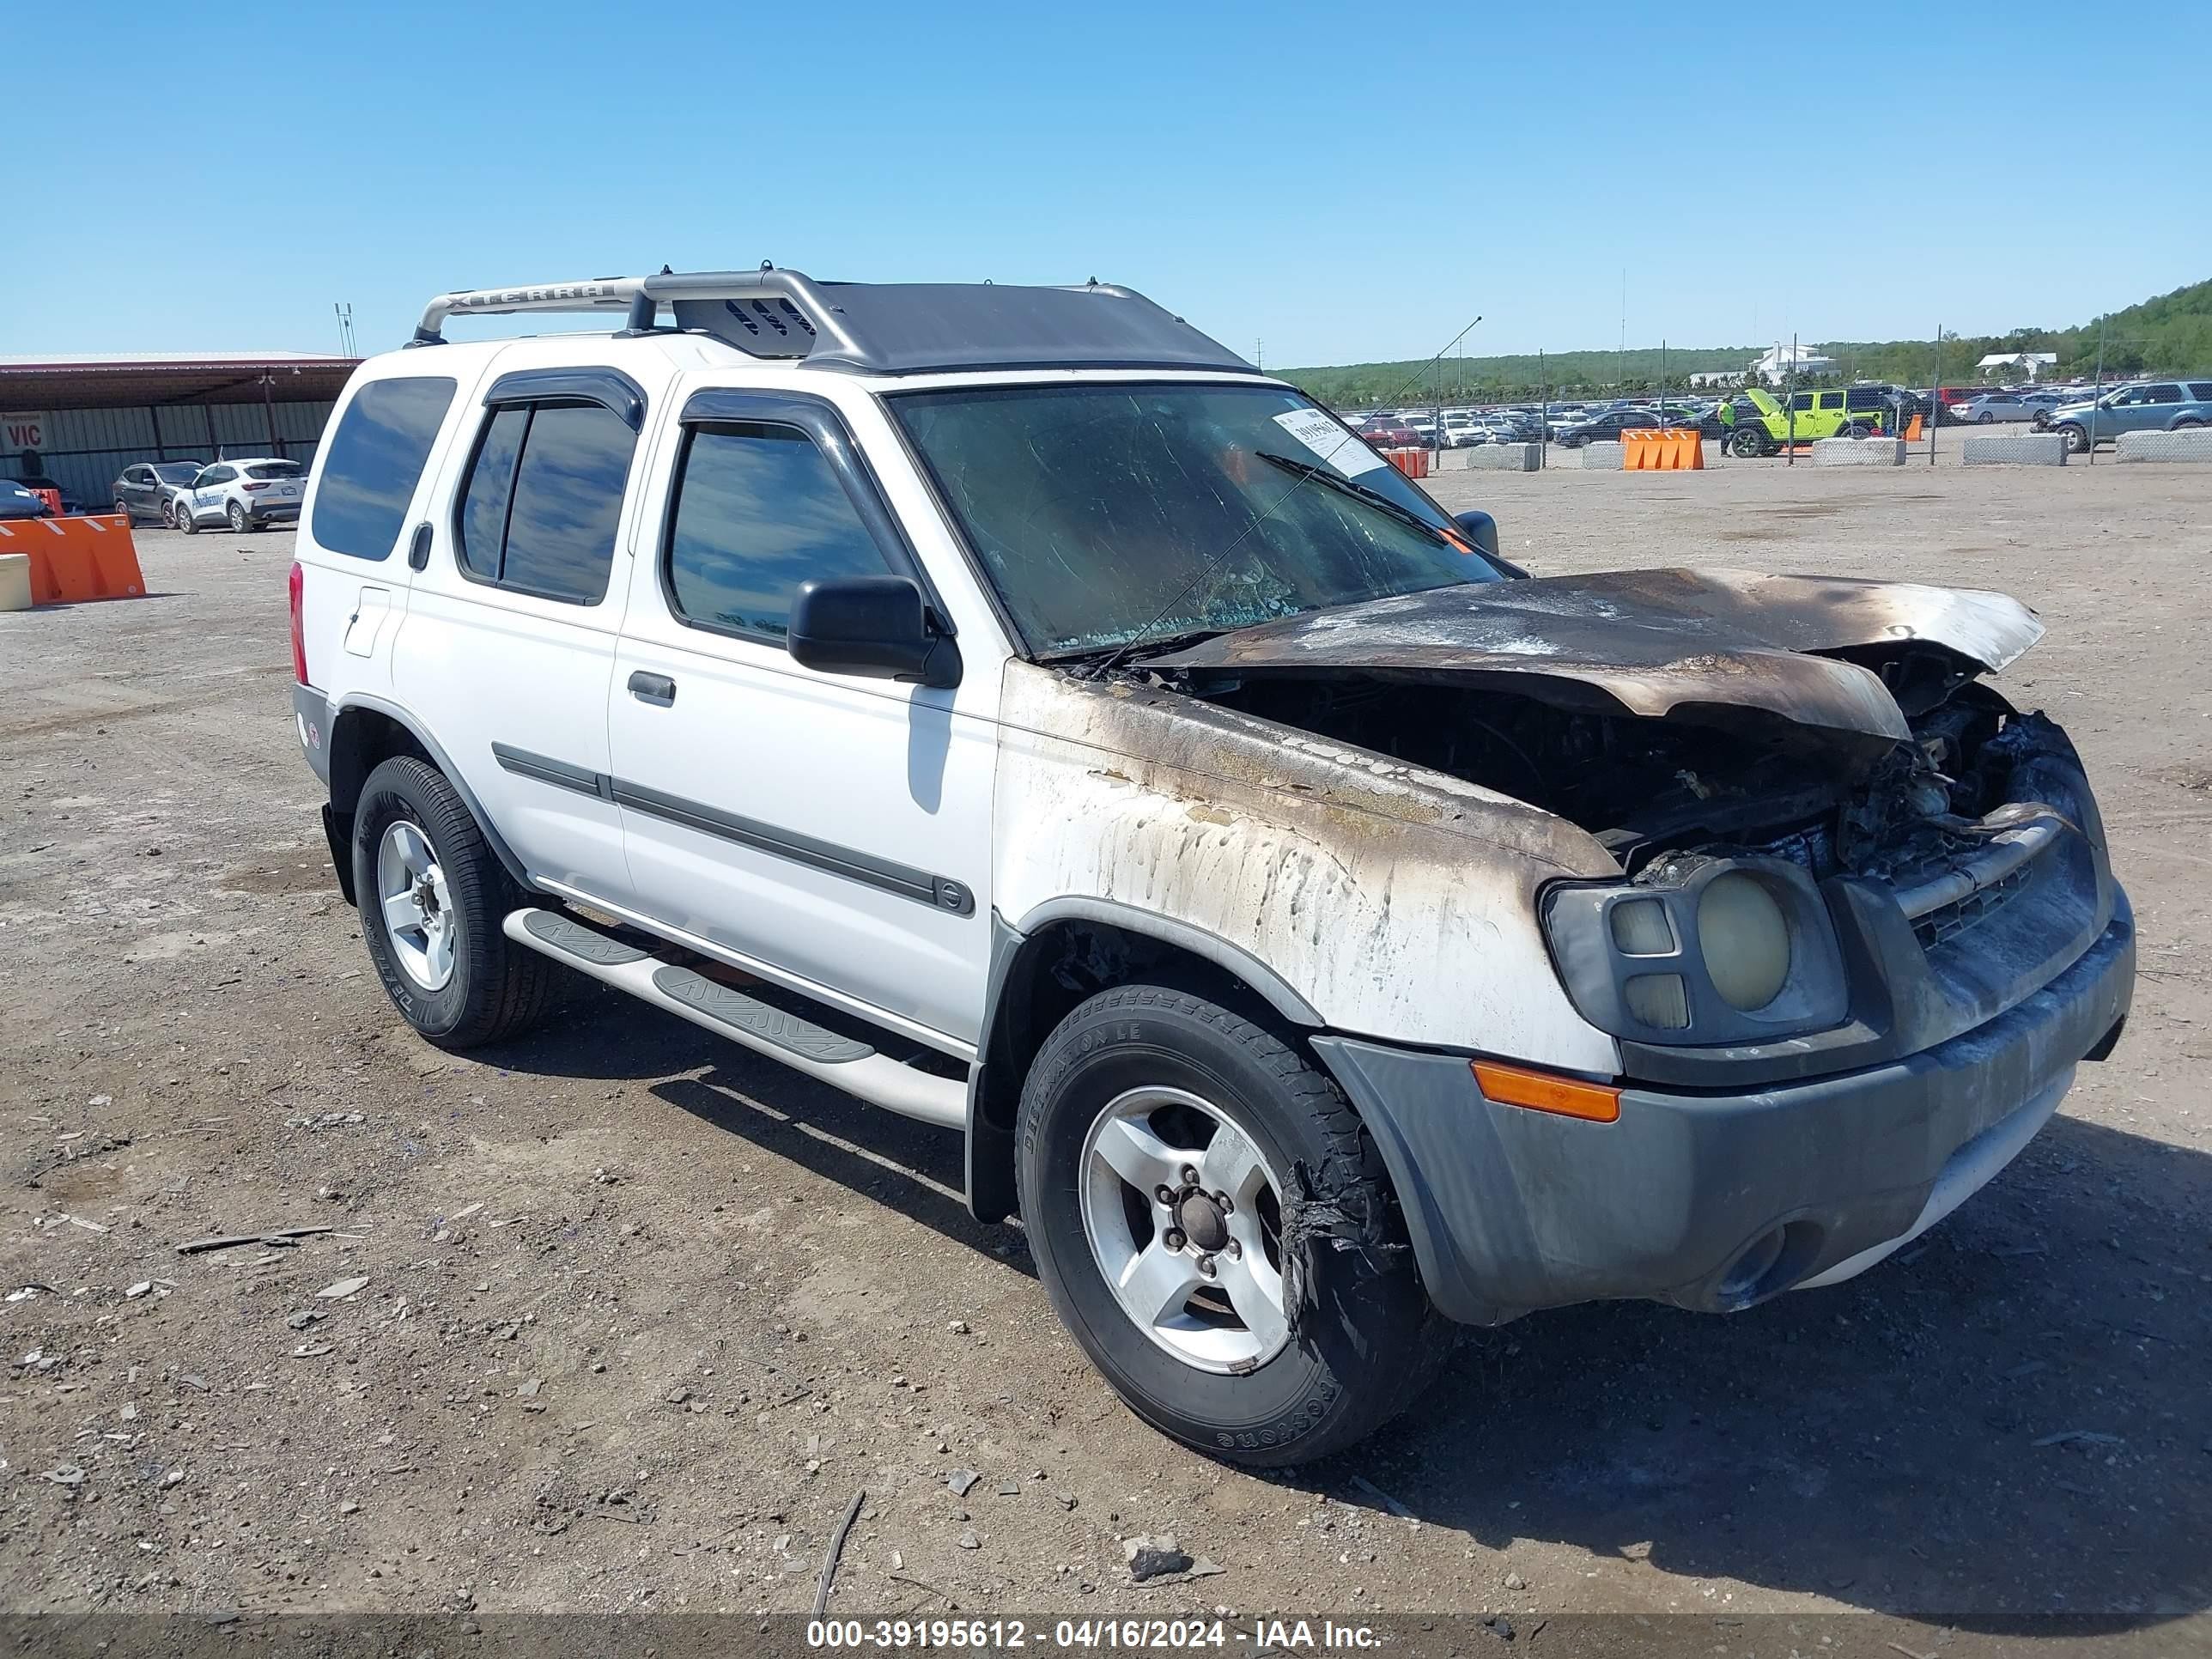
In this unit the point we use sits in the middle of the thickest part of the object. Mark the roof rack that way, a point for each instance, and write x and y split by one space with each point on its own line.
876 328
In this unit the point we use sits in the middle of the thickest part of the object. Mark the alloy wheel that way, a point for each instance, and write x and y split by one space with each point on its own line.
417 910
1183 1217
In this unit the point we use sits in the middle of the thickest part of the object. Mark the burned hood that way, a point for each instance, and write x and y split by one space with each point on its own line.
1690 644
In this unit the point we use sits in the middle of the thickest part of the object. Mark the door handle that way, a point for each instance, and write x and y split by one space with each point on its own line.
418 553
656 689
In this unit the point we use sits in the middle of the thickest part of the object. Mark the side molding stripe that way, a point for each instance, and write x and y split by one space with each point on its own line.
938 892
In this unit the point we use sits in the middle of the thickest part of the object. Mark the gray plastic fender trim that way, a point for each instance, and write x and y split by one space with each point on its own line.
436 750
1281 995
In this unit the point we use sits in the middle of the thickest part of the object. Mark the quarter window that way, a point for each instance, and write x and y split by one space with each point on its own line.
373 461
543 499
2200 392
757 512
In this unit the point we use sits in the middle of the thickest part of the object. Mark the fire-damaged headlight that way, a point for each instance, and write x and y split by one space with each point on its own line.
1699 952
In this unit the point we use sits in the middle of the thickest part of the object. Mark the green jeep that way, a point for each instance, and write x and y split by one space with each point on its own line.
1762 423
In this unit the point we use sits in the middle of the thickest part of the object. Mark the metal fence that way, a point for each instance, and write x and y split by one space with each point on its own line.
86 448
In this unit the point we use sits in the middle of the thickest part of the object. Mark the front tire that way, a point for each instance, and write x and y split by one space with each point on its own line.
185 521
1214 1226
1747 445
433 895
2077 439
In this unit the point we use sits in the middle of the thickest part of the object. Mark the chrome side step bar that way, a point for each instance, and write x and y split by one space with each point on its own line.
825 1055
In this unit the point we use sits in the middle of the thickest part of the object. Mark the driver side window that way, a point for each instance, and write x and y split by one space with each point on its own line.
759 510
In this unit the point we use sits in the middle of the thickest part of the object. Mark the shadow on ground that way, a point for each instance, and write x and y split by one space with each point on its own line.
2009 1417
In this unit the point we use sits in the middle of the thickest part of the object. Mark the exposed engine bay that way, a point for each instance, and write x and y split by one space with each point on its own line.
1647 786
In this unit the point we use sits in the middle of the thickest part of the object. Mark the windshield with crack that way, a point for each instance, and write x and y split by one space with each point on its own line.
1098 509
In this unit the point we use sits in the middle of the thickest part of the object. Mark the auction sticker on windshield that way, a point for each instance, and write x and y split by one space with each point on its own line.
1338 447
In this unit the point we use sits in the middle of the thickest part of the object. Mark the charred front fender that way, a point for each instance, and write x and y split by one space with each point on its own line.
1394 902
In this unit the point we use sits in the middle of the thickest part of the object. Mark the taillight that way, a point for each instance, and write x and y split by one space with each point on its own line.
257 486
299 632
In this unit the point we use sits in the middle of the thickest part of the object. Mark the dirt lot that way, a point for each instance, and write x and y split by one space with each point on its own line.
643 1312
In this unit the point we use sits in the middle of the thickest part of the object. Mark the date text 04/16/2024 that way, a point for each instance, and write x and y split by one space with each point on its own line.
1088 1634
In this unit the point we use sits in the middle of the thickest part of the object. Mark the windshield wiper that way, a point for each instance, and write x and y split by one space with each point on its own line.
1137 648
1357 492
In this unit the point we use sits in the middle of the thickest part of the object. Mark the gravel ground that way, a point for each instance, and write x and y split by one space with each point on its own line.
638 1314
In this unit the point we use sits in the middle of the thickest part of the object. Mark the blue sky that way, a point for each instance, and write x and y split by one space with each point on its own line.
1342 183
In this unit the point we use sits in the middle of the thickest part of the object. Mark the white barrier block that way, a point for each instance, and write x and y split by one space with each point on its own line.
1505 458
1599 456
15 581
2192 443
2025 449
1859 451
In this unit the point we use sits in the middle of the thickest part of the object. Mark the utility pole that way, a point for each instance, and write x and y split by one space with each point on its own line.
1936 396
1620 359
2097 401
1544 395
1790 391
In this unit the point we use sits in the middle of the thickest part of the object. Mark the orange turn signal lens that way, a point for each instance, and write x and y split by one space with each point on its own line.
1540 1092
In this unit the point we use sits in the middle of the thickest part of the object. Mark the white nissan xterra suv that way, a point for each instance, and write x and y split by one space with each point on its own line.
1011 707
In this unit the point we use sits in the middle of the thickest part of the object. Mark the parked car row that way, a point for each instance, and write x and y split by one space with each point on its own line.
246 493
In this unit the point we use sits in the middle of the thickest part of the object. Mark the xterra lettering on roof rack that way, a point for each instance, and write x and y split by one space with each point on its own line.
876 328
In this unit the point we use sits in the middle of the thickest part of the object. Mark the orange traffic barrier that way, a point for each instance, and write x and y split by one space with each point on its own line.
1912 430
75 559
1414 463
1668 450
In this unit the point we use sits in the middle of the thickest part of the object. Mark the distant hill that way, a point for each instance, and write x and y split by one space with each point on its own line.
2171 334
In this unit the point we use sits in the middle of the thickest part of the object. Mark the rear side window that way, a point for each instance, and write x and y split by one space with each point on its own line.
2164 394
373 461
757 512
2200 392
543 499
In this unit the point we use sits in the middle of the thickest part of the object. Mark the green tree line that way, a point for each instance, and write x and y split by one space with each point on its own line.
2169 335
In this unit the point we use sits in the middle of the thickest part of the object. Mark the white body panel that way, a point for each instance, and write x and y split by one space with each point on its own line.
1399 906
1398 903
900 774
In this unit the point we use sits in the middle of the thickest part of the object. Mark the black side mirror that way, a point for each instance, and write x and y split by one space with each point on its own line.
1481 529
876 627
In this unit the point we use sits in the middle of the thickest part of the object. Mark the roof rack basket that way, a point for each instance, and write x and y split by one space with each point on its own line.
901 328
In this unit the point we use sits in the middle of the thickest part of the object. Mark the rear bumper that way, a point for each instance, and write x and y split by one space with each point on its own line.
1716 1201
274 512
311 721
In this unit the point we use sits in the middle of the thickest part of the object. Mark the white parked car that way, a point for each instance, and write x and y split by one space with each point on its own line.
1315 928
247 495
1993 406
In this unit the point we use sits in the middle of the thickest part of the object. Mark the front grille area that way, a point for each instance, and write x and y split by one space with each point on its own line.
1948 921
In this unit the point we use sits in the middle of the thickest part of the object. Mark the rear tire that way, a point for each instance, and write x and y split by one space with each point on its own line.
240 523
1357 1340
123 509
481 987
